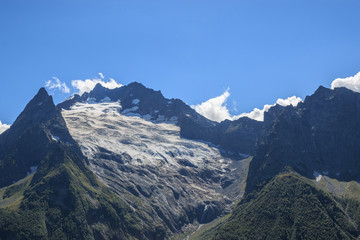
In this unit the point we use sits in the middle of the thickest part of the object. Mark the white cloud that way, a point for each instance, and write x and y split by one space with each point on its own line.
56 83
352 83
258 114
289 101
215 108
3 127
88 84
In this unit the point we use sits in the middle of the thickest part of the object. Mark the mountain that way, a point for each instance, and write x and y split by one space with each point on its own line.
320 135
26 143
137 100
238 136
111 164
128 163
48 192
132 138
303 179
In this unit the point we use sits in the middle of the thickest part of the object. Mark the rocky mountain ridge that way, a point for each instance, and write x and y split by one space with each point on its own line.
138 100
319 135
29 138
128 163
304 159
173 184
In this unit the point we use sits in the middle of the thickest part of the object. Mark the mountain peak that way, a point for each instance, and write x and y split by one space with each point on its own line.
41 96
42 91
41 100
39 109
320 94
98 86
136 84
98 92
322 90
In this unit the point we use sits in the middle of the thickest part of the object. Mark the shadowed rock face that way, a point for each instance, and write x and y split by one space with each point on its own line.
239 136
319 135
33 133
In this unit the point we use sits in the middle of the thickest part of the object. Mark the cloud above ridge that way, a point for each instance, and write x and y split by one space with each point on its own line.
87 85
258 114
216 108
55 83
3 127
352 82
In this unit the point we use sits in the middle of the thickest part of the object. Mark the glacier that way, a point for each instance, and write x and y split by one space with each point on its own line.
181 181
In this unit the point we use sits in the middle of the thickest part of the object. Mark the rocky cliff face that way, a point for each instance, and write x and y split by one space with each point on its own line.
238 136
319 135
26 143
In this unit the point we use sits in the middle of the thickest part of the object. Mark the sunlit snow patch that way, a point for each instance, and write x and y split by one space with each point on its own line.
55 138
71 97
317 176
3 127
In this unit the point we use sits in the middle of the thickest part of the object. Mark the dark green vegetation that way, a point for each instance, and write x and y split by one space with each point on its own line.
64 200
290 207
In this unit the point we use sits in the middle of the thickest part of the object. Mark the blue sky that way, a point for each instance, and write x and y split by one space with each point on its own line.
192 50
